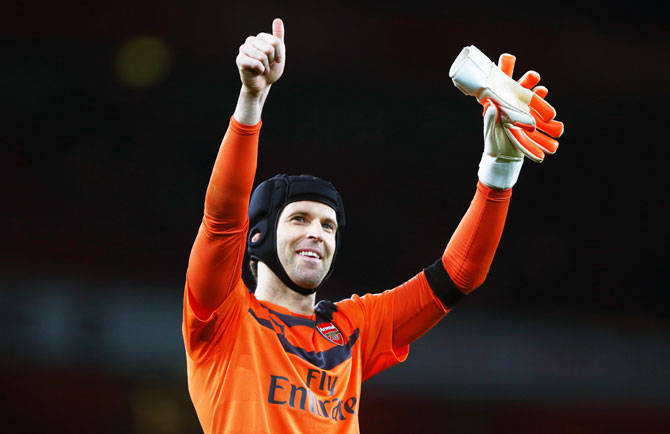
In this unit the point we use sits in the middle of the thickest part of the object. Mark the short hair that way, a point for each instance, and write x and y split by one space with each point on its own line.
253 266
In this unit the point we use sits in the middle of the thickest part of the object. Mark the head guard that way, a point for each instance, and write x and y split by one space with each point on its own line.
267 202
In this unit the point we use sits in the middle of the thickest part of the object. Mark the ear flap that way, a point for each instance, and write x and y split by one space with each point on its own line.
260 228
260 204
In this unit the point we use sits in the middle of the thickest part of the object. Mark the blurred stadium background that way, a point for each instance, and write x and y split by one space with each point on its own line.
112 117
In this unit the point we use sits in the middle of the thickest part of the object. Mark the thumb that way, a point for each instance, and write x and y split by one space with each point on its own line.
490 120
278 28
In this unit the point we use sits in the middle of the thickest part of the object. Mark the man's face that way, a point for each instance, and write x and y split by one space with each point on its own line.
306 241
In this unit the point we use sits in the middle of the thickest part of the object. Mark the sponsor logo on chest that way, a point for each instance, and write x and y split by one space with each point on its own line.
330 332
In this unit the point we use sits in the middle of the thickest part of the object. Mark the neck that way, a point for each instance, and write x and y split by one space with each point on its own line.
271 289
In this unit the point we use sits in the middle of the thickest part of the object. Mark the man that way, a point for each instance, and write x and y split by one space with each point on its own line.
268 361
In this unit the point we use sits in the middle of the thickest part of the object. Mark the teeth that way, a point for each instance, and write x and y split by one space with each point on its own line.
310 254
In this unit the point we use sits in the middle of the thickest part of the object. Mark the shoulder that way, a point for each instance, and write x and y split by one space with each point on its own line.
362 307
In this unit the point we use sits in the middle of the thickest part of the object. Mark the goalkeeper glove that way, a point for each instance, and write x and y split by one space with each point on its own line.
512 115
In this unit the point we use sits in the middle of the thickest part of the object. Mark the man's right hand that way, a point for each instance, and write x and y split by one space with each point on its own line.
261 60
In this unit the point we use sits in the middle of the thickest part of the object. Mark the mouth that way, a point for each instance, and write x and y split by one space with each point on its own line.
311 254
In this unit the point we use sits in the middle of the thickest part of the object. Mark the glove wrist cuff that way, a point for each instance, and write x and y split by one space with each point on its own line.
499 172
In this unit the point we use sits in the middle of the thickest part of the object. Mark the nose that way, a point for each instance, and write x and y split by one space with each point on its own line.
315 231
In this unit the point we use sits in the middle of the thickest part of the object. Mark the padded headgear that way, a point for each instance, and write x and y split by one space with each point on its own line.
267 202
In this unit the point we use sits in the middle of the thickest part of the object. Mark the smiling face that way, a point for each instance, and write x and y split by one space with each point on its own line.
306 241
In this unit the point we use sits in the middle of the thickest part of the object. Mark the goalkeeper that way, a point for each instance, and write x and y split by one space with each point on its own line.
268 360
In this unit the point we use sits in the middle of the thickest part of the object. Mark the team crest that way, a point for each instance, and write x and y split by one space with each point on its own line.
330 332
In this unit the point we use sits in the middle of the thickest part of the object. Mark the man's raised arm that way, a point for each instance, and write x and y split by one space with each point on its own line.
215 264
518 123
516 118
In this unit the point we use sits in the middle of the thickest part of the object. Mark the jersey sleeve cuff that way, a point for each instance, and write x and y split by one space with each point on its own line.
242 129
493 194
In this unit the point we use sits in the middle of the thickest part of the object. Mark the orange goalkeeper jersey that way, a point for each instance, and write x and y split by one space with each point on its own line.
254 366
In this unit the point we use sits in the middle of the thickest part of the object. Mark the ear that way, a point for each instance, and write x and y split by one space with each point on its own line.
256 237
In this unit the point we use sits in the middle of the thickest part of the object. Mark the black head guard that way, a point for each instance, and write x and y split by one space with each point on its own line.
267 202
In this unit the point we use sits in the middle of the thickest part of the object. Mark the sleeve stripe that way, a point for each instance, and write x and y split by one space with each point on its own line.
442 285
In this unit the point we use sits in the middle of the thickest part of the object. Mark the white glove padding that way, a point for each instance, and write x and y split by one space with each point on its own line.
519 109
502 160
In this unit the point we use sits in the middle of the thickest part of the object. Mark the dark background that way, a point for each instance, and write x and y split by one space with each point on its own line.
104 180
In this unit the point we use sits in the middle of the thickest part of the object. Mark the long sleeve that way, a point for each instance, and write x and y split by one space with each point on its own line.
215 264
423 300
470 251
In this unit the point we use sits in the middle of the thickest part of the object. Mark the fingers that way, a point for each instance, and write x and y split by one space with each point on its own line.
506 63
526 137
260 51
256 49
247 63
272 46
525 144
547 144
541 91
529 79
553 128
543 108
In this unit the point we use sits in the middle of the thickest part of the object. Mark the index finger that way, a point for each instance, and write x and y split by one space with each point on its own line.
278 45
506 63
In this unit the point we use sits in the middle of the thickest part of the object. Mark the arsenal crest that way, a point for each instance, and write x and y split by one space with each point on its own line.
330 332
